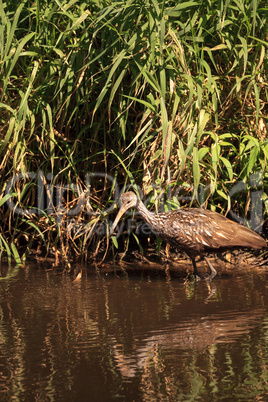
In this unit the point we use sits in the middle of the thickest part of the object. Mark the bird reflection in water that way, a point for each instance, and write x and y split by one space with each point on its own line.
193 334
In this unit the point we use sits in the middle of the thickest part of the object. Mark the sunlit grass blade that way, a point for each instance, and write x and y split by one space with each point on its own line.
15 253
17 54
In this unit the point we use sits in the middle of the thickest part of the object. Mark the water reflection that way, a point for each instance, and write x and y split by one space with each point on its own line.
134 338
196 333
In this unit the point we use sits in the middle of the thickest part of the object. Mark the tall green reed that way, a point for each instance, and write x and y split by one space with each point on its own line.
157 93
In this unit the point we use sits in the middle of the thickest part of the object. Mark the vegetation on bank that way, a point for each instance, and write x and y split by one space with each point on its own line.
170 98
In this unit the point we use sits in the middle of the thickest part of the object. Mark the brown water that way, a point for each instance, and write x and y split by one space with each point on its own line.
133 338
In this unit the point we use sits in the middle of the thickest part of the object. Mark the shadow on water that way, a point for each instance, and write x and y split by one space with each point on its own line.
137 337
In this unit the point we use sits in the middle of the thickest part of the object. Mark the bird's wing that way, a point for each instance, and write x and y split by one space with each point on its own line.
220 232
207 229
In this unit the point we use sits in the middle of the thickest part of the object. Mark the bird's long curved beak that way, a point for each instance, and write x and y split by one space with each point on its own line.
118 216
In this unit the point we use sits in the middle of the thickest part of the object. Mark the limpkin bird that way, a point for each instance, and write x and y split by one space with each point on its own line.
194 231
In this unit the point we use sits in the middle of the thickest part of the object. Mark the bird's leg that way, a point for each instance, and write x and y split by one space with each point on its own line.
213 270
195 269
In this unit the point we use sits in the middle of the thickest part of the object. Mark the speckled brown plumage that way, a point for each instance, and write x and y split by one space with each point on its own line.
194 231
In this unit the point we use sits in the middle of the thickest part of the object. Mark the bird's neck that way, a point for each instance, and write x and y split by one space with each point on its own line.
145 213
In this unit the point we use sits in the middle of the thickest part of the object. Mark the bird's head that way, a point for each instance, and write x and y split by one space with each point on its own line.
127 200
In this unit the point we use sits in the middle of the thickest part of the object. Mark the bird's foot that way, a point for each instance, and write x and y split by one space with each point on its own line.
204 278
193 277
210 277
212 269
